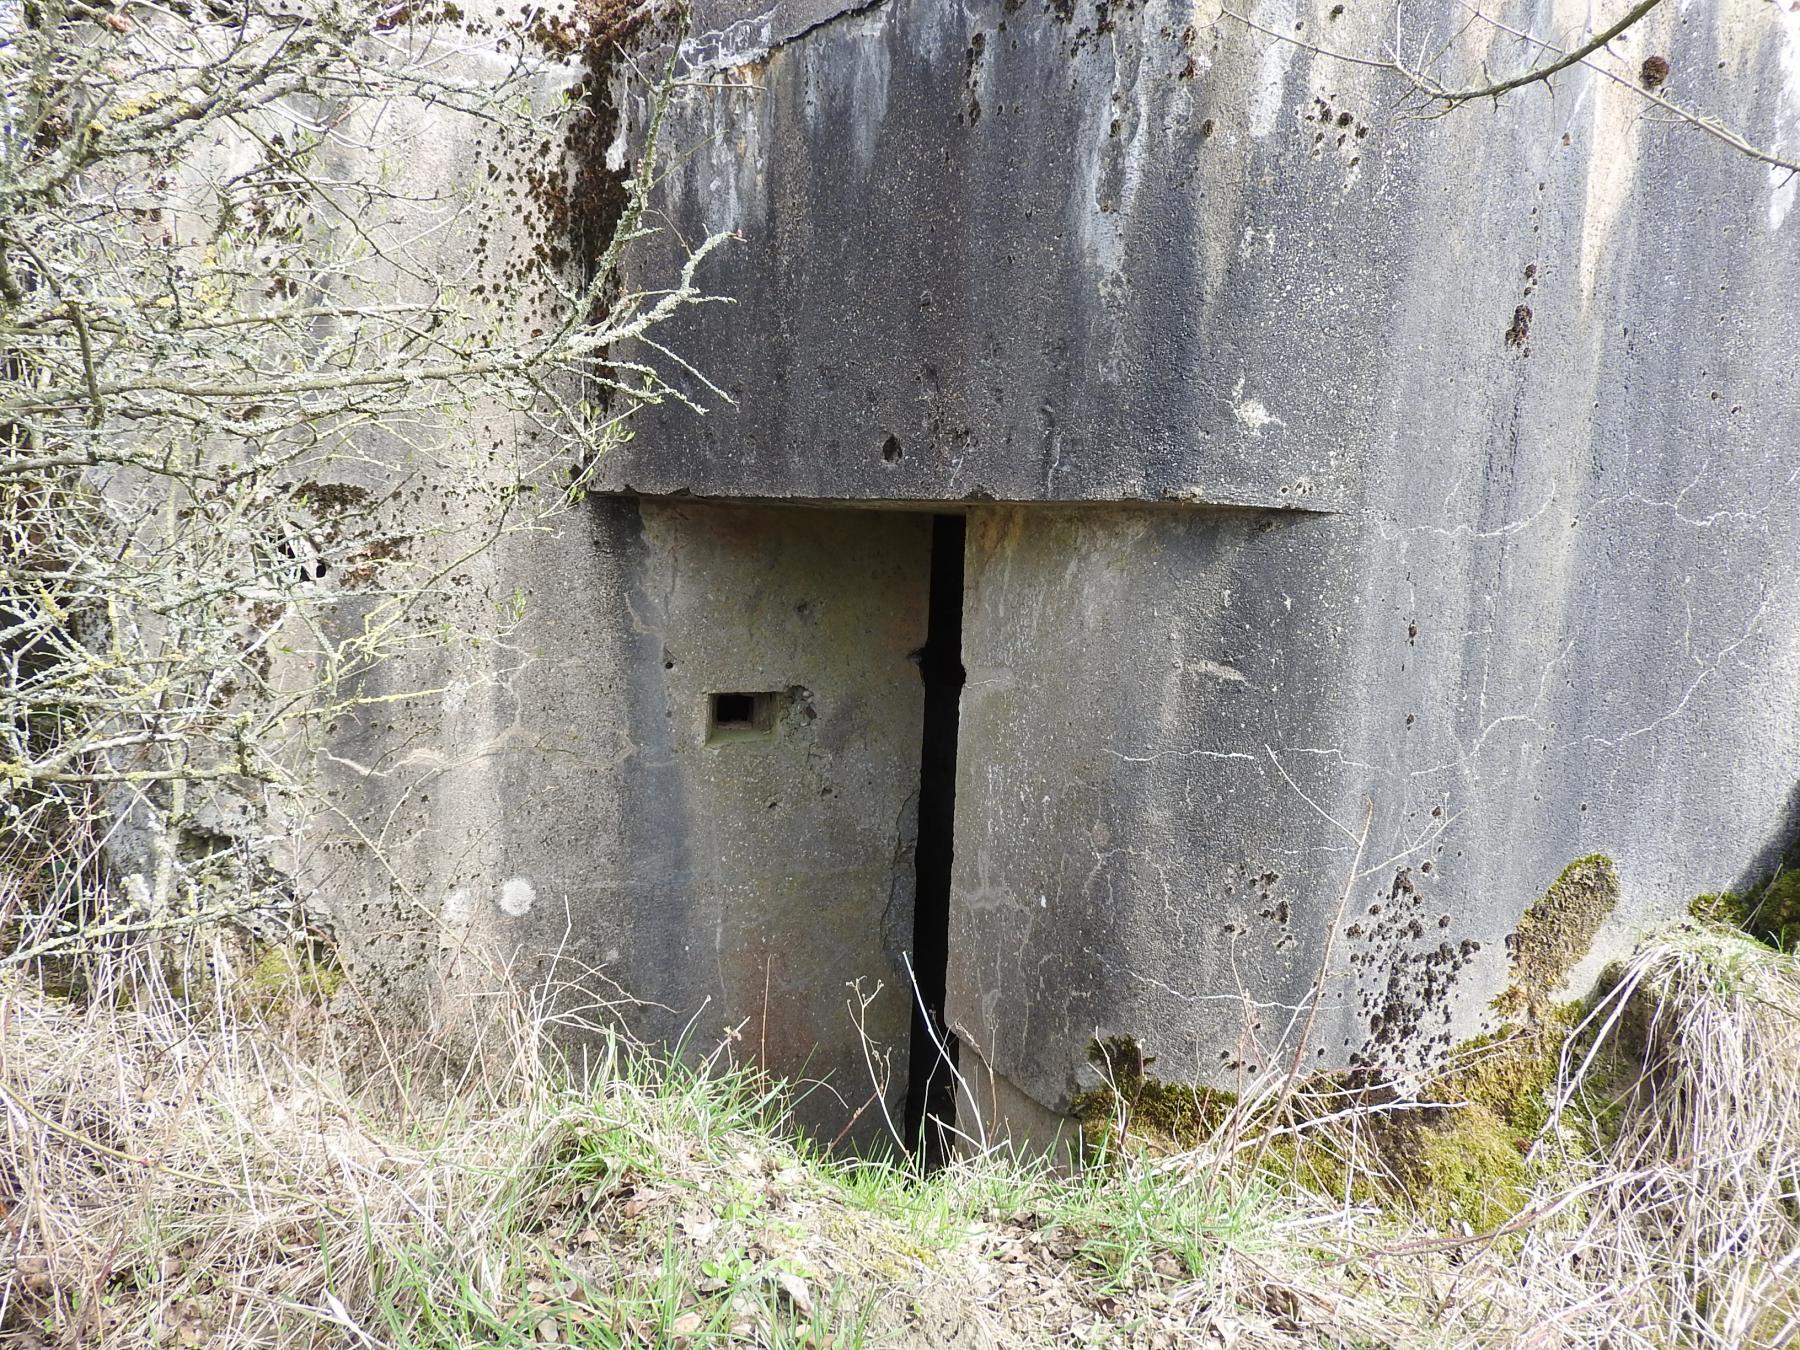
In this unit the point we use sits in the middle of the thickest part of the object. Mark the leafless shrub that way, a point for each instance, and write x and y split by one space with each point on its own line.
247 337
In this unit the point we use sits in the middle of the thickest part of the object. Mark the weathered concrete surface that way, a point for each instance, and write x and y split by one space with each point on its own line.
1149 253
997 249
565 818
1538 604
1179 701
1144 253
522 795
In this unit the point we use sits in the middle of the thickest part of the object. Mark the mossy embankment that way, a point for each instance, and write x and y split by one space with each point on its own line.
1456 1151
1768 912
189 1171
1511 1114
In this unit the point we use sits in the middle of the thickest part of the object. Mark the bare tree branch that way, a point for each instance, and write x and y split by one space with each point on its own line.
235 347
1536 73
1420 82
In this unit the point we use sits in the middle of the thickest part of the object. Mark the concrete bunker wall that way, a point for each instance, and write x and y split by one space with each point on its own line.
1174 722
1519 369
1127 317
1165 711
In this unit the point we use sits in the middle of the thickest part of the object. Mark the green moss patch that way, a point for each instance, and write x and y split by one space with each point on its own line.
1556 932
1129 1104
1467 1166
1509 1073
1463 1161
286 977
1770 913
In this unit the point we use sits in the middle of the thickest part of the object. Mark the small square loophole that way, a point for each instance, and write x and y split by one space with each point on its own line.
732 716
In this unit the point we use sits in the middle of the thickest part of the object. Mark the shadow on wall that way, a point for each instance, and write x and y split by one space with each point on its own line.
1781 853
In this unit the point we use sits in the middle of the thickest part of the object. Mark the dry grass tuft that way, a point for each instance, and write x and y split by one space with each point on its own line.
1693 1222
175 1174
186 1169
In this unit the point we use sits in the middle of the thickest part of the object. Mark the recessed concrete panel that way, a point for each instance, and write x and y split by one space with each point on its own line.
682 796
782 807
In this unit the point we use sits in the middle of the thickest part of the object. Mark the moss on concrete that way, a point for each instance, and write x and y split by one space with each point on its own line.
284 978
1770 913
1459 1160
1131 1105
1509 1073
1445 1165
1467 1166
1556 932
1463 1159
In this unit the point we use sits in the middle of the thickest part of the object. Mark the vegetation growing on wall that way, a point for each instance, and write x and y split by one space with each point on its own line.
1453 1151
258 420
1555 933
1769 912
1129 1103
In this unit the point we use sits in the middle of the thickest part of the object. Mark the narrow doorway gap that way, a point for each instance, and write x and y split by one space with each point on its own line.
931 1085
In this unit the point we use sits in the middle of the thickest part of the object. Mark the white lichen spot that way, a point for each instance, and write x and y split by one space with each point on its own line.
1252 413
516 897
455 917
1254 239
455 696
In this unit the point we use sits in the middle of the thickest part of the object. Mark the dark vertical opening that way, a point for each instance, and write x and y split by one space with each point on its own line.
931 1088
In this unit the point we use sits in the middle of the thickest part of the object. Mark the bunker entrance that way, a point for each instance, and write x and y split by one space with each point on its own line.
931 1086
793 805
